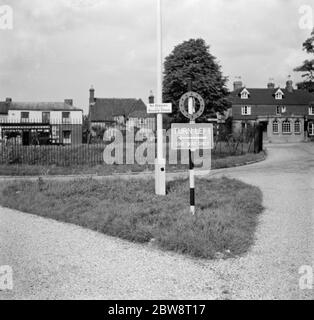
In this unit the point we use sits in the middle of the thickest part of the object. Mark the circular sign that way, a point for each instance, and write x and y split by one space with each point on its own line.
185 112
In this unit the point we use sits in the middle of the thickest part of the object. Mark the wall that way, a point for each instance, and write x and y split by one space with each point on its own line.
269 110
276 137
285 137
146 123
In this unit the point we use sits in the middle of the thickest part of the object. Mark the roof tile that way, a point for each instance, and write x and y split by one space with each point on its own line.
106 109
261 96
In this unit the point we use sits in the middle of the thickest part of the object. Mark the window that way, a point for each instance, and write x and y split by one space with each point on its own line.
286 127
297 126
141 121
66 137
46 117
245 94
311 128
66 117
24 116
278 111
275 126
278 95
246 111
311 110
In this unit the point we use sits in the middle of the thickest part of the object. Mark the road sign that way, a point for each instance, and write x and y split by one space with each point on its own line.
191 136
159 108
185 111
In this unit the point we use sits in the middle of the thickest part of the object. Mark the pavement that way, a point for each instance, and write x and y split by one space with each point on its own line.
53 260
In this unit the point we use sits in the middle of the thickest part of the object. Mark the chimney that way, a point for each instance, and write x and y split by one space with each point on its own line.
151 98
237 84
91 95
8 100
289 85
68 101
271 84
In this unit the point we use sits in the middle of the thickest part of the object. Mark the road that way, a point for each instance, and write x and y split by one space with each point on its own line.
53 260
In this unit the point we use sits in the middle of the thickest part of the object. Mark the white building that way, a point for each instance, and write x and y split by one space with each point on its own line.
43 122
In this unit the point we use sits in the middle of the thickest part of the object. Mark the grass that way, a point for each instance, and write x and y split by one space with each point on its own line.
225 222
104 169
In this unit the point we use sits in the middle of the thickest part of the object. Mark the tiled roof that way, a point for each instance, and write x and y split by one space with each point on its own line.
4 107
262 96
107 109
42 106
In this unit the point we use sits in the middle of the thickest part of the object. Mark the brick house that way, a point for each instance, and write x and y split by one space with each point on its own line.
285 114
119 113
42 122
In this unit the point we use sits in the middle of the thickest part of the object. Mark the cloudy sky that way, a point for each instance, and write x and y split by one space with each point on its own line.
58 48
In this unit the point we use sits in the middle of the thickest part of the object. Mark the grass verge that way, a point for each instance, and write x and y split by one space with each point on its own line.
103 170
225 223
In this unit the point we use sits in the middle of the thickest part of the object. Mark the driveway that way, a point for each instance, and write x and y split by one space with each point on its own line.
55 260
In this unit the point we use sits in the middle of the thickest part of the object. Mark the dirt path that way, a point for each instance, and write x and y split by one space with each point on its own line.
55 260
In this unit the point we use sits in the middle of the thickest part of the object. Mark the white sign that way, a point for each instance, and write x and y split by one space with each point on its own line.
187 136
159 108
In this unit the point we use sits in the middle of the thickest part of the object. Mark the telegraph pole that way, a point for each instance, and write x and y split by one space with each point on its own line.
160 162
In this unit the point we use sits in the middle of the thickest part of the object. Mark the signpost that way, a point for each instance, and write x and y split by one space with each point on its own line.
192 136
160 162
159 108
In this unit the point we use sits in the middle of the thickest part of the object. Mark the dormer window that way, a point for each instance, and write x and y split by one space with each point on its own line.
244 94
279 95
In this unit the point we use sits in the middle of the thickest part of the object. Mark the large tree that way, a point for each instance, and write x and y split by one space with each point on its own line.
307 68
192 59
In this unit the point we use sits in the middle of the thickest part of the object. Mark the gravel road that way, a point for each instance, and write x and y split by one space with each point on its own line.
53 260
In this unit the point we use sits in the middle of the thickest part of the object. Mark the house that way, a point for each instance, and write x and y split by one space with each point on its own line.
285 114
42 122
120 114
4 107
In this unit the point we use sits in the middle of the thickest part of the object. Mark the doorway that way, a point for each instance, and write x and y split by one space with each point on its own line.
25 138
264 125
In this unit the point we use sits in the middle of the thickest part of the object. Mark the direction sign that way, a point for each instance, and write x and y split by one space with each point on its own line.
159 108
187 136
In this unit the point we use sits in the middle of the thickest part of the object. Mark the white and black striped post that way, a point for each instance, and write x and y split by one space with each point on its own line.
191 156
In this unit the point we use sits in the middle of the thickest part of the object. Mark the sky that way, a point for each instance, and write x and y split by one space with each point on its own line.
57 49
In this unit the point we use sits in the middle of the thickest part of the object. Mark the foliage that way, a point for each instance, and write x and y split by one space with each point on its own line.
85 129
307 68
192 59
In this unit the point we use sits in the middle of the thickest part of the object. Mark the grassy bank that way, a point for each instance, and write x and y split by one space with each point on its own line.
104 169
226 219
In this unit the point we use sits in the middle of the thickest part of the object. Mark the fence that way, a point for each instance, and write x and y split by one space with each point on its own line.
62 144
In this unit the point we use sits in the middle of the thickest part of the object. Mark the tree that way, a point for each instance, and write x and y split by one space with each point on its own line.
307 68
192 59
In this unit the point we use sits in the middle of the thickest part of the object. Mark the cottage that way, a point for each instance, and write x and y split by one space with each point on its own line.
121 114
41 122
285 114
